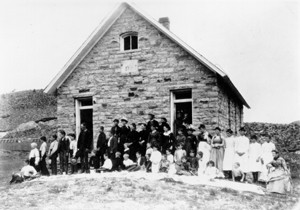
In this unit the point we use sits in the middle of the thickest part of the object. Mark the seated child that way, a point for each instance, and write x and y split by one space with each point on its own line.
117 162
155 159
184 167
127 162
201 163
237 173
28 172
107 166
170 157
193 161
148 163
164 164
149 149
211 172
179 153
140 163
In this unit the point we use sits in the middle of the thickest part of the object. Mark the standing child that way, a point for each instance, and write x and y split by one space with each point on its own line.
155 159
237 173
53 154
180 138
179 153
164 164
72 152
43 165
191 141
201 163
34 156
63 149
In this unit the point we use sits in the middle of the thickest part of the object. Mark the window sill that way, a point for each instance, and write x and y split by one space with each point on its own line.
129 51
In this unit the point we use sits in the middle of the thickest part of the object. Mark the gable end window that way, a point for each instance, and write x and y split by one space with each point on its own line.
129 41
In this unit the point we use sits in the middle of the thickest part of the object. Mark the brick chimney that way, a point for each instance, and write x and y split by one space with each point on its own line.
165 22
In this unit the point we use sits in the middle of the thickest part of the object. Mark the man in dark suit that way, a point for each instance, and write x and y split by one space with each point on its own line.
115 130
63 150
143 138
112 145
151 122
101 145
85 146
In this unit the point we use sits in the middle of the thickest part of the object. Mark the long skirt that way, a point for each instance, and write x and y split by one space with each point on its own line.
278 182
217 155
155 167
228 159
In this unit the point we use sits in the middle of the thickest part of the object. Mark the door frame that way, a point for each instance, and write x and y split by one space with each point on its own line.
78 108
174 101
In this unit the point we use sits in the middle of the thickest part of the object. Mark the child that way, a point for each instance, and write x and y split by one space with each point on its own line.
201 163
155 159
170 157
180 139
53 153
148 164
211 172
164 164
237 173
254 161
127 162
140 163
107 166
149 149
27 172
117 162
179 153
184 167
193 161
73 151
43 165
34 156
191 141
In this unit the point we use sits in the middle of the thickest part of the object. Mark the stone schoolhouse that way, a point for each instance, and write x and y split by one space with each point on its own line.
132 65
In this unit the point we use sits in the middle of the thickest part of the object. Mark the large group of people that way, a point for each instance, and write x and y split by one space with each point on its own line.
156 149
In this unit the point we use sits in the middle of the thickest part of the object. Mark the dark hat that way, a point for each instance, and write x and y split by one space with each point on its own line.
229 131
124 120
242 129
217 128
164 119
116 120
201 126
152 115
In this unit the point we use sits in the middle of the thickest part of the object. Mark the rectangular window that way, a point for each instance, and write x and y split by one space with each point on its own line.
129 41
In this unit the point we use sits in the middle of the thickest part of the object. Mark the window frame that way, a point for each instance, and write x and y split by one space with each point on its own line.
122 41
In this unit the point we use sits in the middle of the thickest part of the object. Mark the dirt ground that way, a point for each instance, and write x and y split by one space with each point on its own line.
98 192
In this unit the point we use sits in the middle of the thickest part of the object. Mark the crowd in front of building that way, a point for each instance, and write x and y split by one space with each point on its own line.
156 149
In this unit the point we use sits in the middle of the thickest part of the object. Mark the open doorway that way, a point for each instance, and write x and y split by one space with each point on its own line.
181 109
84 113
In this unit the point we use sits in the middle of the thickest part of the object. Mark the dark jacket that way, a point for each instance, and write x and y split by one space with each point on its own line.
115 130
113 145
63 145
142 161
101 142
151 122
85 141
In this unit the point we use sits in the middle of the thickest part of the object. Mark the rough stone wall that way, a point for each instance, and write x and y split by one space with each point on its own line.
230 110
163 66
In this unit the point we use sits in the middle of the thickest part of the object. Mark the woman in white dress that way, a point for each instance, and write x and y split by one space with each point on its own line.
266 158
229 154
204 143
254 157
241 148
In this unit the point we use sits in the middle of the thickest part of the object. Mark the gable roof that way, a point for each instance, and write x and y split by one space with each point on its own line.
104 27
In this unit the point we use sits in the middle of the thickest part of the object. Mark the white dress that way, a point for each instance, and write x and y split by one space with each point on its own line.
201 167
242 146
229 153
254 155
205 148
155 159
267 157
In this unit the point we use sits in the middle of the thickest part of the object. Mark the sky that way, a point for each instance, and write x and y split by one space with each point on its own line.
255 42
